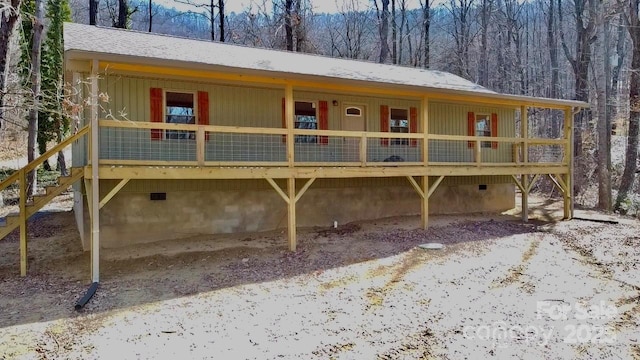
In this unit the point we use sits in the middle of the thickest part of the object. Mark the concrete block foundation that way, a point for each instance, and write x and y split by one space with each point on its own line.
133 218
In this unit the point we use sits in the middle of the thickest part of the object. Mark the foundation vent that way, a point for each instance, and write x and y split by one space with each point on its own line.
158 196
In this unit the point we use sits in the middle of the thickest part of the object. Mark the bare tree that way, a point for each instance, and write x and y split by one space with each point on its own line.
426 25
552 44
383 29
9 14
32 141
631 152
209 13
602 73
620 54
394 34
221 18
401 26
288 27
348 31
93 11
460 11
585 35
486 7
150 15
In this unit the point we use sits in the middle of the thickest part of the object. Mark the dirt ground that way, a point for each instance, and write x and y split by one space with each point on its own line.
498 289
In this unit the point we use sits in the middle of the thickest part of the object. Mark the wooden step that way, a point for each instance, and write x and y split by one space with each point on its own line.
41 200
11 222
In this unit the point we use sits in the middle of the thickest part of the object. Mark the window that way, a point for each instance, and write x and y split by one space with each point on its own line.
306 118
483 128
399 123
353 111
179 109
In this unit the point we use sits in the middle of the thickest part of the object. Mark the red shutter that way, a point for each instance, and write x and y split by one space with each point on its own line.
494 129
413 124
203 110
384 123
156 111
323 122
471 127
284 118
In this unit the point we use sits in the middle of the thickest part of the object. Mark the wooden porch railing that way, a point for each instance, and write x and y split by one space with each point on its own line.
475 156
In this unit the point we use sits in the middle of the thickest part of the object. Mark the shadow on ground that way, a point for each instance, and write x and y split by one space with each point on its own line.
147 273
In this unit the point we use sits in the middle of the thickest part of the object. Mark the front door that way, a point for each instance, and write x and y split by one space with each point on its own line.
353 119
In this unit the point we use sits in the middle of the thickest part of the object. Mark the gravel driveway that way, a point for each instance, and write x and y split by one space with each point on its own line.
499 289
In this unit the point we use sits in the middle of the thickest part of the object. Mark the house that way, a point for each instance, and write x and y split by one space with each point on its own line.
206 138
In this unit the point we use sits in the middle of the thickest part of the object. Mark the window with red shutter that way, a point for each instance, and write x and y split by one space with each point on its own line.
323 120
384 123
471 127
203 110
156 101
413 124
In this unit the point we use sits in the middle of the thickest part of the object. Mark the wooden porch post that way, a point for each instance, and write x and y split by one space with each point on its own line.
23 223
291 182
568 150
95 181
424 186
524 179
425 159
291 231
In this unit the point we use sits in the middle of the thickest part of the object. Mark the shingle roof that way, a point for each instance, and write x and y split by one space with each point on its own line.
148 47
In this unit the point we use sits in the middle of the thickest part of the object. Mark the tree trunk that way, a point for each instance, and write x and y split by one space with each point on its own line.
212 19
93 12
301 35
288 28
123 14
150 18
580 66
384 32
221 12
483 64
615 76
426 23
62 163
32 138
552 44
603 71
631 153
8 21
403 19
394 33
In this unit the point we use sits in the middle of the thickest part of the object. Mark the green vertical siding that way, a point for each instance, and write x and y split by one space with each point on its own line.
262 107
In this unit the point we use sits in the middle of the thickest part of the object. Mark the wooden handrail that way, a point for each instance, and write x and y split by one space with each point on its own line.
314 132
40 159
535 141
10 180
35 163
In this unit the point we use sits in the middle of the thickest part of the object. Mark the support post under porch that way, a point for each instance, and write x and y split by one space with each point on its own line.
291 213
525 198
424 186
425 192
524 178
95 181
291 198
569 157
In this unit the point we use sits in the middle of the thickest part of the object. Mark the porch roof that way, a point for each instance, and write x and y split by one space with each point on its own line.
110 44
